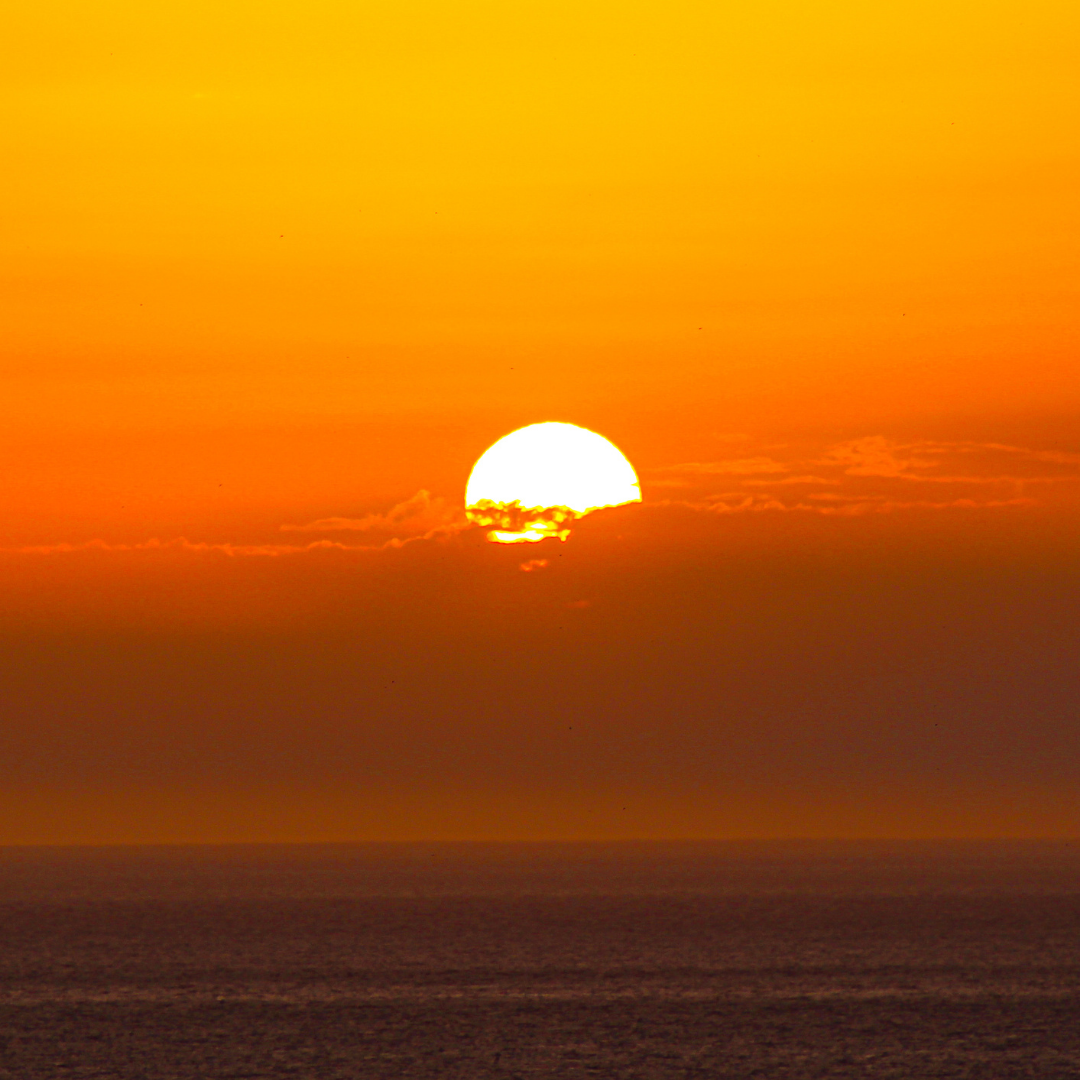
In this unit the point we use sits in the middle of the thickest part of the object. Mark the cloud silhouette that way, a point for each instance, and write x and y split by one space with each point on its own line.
864 473
419 516
182 544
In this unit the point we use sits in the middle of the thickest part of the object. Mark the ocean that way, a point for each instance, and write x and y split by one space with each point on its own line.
642 960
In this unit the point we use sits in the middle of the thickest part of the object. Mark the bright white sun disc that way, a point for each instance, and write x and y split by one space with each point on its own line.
551 466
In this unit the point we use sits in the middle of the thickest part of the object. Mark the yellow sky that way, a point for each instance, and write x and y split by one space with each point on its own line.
237 212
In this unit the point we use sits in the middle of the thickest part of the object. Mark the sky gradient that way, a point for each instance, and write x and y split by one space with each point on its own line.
274 277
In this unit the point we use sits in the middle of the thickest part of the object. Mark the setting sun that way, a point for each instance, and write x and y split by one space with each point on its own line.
533 481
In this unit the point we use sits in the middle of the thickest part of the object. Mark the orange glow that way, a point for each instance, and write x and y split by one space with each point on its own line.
275 274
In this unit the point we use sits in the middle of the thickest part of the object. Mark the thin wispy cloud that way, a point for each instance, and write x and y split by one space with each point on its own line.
865 473
873 456
418 518
734 467
420 515
790 481
183 545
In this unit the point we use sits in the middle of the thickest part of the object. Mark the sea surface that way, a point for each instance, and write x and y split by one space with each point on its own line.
773 960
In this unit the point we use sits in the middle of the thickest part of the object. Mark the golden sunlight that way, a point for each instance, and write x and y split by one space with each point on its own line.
534 481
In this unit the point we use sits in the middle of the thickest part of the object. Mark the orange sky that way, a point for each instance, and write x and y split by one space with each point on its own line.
811 266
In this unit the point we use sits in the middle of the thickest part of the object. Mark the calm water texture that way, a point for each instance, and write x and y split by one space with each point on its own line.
541 960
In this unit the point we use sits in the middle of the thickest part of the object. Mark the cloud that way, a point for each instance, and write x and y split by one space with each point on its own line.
866 472
517 524
734 467
732 502
182 544
831 504
1005 479
873 456
790 480
918 461
856 507
419 516
1058 457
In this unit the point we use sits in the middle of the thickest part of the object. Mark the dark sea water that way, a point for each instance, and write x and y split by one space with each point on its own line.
770 960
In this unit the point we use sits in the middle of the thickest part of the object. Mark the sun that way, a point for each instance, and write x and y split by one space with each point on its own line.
535 480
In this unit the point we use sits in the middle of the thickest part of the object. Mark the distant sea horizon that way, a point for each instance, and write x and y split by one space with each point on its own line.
791 959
